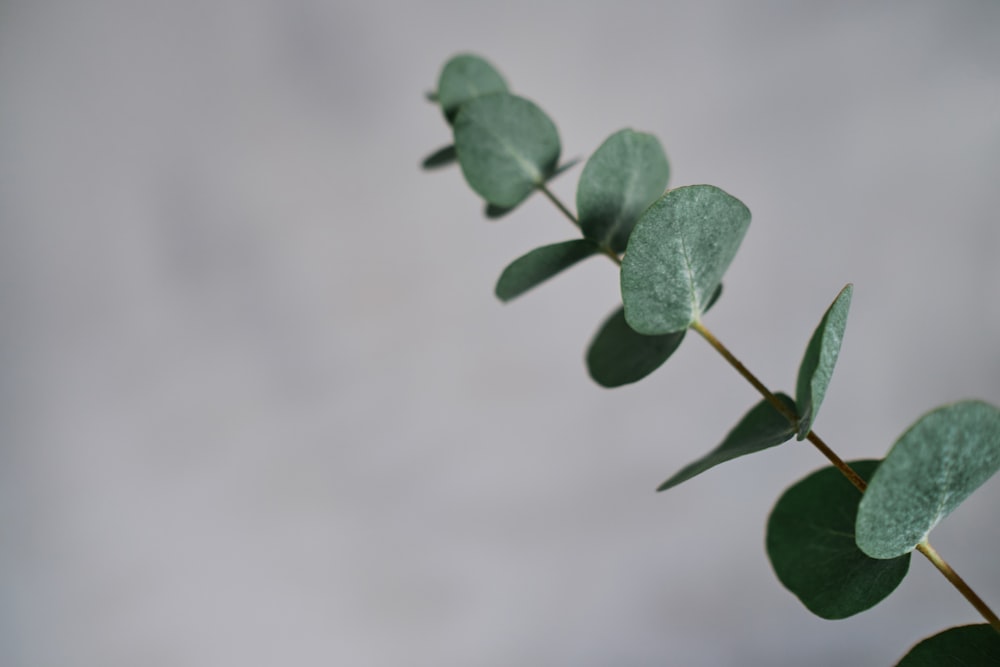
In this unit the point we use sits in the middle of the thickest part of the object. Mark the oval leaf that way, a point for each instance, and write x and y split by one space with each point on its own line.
620 180
964 646
817 365
506 146
676 256
466 77
810 541
618 355
541 264
761 428
940 460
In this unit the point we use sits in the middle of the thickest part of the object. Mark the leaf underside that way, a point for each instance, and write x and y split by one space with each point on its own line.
618 355
934 466
761 428
539 265
820 357
676 256
810 541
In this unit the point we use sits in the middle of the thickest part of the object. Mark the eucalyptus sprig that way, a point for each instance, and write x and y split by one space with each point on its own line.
840 539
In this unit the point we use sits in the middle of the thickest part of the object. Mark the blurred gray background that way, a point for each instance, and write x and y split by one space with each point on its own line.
259 406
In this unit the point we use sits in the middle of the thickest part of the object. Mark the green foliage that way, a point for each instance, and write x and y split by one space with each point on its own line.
506 146
940 460
676 256
621 179
761 428
810 541
964 646
820 358
619 356
541 264
838 550
466 77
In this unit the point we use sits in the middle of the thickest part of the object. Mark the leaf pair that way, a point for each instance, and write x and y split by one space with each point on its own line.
766 426
842 552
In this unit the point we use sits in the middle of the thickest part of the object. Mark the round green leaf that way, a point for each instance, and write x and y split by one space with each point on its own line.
810 541
761 428
541 264
466 77
506 146
940 460
618 355
620 180
964 646
676 256
821 355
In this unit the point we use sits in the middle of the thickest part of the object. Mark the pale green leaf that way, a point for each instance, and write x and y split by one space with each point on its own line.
940 460
676 256
810 541
761 428
506 146
817 364
620 180
466 77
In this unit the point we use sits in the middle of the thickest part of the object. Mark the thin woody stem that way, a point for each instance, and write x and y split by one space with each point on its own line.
847 470
932 555
924 547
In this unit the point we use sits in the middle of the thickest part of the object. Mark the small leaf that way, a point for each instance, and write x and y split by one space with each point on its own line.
940 460
964 646
810 541
761 428
541 264
618 355
507 147
494 212
817 365
564 167
442 157
466 77
620 180
676 256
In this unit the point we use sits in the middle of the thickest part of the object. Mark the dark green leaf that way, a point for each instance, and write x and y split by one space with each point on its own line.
442 157
621 179
676 256
507 147
466 77
494 212
541 264
817 365
618 355
761 428
810 541
940 460
964 646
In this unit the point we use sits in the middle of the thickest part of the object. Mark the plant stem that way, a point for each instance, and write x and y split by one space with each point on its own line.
847 470
612 255
932 555
924 547
559 205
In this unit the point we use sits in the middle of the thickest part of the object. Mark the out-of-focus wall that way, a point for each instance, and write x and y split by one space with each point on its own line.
258 405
